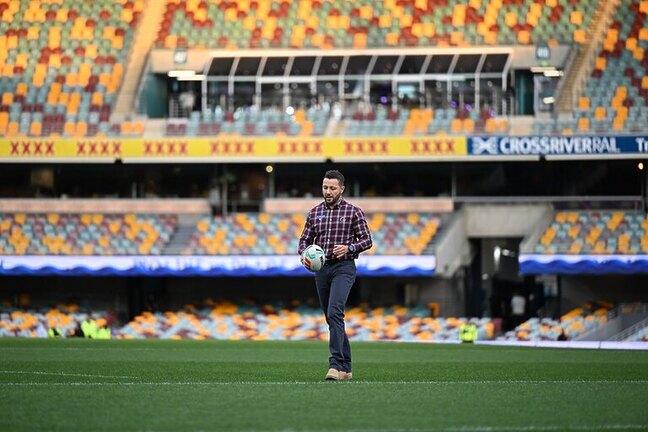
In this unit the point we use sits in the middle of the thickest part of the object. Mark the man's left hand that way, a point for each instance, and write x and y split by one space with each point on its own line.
340 250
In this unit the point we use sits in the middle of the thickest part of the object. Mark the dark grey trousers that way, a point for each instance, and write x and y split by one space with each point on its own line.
334 282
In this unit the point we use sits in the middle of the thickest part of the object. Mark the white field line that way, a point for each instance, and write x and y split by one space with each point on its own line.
521 428
63 374
309 383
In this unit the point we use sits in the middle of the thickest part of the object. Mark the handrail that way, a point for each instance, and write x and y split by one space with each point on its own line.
141 83
546 199
593 49
630 331
574 50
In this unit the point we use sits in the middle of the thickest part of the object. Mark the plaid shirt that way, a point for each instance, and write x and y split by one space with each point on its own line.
344 224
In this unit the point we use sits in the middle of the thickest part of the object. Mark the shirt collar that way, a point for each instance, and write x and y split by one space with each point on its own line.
337 204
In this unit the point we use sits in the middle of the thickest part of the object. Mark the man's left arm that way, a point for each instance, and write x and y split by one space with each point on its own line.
362 236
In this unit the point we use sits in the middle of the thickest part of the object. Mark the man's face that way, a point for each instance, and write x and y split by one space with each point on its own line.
331 190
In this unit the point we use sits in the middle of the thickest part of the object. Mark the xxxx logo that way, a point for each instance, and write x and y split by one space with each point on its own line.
367 147
232 148
300 147
432 146
32 148
165 148
98 148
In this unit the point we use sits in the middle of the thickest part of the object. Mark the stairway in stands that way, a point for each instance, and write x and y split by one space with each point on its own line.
143 42
583 62
180 240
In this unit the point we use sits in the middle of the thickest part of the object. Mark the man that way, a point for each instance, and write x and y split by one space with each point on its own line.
341 230
518 308
468 332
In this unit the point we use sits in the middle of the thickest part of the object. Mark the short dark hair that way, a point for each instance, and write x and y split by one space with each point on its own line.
335 174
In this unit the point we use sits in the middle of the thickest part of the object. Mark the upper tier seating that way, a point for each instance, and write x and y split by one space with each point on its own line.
267 122
382 121
369 23
226 320
84 234
269 234
61 66
615 97
595 232
378 121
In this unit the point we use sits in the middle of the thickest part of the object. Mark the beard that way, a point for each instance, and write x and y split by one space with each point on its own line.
332 199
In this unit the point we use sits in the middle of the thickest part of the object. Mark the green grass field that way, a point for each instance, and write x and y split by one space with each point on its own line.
86 385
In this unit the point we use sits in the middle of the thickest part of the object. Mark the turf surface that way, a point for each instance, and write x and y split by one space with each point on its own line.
86 385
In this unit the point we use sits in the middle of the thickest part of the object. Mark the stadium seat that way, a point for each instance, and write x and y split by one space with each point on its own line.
297 321
616 82
249 234
86 234
58 51
596 232
369 24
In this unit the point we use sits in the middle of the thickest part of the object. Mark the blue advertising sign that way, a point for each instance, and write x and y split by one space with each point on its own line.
556 145
583 264
186 265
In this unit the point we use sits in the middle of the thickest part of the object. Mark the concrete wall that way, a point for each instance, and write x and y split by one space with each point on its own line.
492 220
577 290
368 205
452 250
613 327
157 206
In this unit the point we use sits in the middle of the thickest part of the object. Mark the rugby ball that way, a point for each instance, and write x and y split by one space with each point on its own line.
313 258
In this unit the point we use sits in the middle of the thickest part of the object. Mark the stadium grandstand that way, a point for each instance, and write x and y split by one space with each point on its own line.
158 159
497 147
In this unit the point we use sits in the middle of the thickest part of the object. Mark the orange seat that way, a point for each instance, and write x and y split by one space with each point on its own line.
35 129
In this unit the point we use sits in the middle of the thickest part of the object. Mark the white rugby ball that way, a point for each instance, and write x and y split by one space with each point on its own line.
313 258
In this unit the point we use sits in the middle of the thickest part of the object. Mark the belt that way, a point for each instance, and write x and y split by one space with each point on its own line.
335 261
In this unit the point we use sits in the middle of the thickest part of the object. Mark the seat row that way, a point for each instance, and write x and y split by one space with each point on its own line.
377 121
85 234
296 321
263 234
63 320
616 94
239 233
67 58
595 232
573 324
362 24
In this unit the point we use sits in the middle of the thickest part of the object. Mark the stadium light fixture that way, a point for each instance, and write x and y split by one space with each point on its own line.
195 77
542 69
180 73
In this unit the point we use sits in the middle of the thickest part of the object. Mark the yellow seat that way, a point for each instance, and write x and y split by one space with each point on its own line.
455 126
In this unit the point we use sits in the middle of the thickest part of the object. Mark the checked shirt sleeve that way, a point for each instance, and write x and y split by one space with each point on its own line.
308 234
362 236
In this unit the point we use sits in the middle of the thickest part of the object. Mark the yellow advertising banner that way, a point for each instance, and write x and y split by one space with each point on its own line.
231 149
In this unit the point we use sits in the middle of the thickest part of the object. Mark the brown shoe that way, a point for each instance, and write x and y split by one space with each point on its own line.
333 375
346 376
